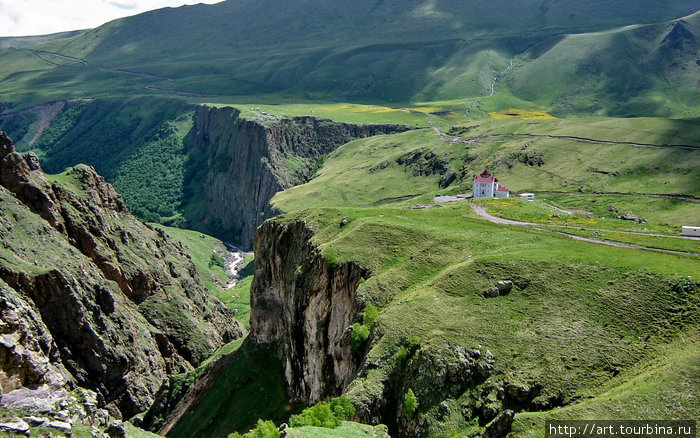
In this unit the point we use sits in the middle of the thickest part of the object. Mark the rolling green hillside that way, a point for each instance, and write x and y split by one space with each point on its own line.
340 126
429 264
547 53
26 41
526 155
589 330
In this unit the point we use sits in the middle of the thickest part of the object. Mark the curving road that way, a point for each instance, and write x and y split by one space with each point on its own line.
480 139
39 53
481 211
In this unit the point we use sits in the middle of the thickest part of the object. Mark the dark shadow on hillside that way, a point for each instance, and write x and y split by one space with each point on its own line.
230 396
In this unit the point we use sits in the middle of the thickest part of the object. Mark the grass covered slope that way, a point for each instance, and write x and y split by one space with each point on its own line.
377 52
208 254
525 155
589 327
579 314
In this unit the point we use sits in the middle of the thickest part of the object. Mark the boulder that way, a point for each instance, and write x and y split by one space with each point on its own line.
443 410
36 421
491 292
16 426
6 146
519 393
629 216
43 399
116 430
62 427
448 178
504 286
501 426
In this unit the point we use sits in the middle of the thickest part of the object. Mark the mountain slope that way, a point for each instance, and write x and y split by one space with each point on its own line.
369 51
585 331
92 297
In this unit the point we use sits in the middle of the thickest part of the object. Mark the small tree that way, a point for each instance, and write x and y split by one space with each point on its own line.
401 354
318 415
216 260
371 314
342 408
410 402
330 255
264 429
359 335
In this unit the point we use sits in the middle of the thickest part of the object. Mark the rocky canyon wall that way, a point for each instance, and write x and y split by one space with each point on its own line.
91 296
307 308
240 164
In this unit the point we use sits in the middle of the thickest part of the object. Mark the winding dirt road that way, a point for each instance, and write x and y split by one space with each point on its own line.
39 53
483 138
481 211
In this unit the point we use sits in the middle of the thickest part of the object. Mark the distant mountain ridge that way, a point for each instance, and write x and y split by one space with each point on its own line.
368 50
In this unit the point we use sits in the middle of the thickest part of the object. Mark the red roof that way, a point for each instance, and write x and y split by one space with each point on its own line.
485 177
502 189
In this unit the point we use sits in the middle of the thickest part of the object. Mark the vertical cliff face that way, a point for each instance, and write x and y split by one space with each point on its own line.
306 307
90 295
243 163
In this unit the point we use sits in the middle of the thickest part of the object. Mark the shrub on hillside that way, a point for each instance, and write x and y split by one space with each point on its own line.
401 354
264 429
325 414
359 335
216 260
371 314
342 408
410 402
330 255
318 415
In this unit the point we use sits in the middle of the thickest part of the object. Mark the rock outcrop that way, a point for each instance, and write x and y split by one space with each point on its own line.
305 306
243 163
91 297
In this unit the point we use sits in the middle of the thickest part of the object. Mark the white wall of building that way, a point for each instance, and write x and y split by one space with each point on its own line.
690 231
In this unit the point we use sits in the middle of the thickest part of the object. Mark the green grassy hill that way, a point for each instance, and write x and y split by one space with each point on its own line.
589 331
380 51
526 155
26 41
585 324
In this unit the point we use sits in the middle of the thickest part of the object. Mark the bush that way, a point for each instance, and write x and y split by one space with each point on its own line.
371 314
325 414
342 408
330 255
413 344
216 260
410 402
264 429
401 354
359 335
319 415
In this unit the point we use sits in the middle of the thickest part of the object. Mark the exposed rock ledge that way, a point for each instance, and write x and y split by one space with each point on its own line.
245 162
305 306
90 296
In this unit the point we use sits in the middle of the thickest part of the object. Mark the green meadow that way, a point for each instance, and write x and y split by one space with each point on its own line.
595 326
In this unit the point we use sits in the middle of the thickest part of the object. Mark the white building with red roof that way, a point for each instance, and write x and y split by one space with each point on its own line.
486 186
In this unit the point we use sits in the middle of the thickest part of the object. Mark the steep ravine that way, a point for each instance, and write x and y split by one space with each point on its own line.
302 310
238 165
92 297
